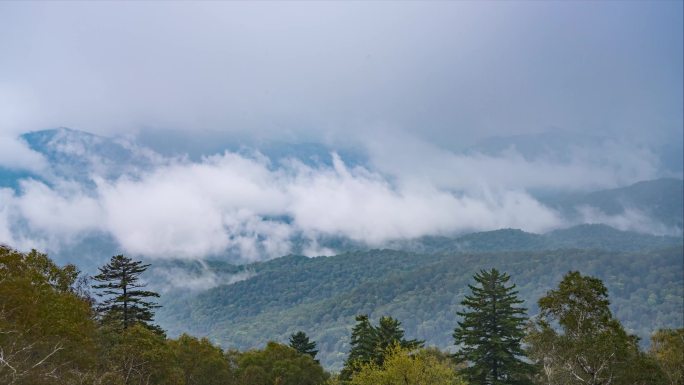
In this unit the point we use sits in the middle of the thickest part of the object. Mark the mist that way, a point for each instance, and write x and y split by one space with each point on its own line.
196 91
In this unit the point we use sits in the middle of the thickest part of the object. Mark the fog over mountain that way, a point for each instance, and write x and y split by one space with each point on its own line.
253 205
252 130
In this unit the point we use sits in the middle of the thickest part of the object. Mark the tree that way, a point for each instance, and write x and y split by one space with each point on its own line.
200 361
576 340
364 340
490 332
125 304
137 355
278 364
300 342
667 347
389 333
369 344
405 366
46 329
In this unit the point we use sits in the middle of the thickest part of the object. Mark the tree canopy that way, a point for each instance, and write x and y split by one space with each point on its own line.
576 340
408 367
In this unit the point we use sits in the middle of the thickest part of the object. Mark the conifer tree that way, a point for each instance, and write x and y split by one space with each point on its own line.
125 304
300 342
370 344
390 333
363 344
490 333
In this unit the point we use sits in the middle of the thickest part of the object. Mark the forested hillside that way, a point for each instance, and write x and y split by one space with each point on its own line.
321 296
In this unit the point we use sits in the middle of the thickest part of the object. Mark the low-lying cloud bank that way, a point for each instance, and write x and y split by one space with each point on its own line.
253 207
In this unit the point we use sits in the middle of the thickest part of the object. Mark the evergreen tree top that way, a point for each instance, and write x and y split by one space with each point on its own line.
300 342
124 303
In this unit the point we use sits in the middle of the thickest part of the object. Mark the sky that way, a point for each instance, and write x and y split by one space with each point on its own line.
414 85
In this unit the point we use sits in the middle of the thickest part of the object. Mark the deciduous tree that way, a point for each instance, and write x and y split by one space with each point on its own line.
667 347
576 340
407 367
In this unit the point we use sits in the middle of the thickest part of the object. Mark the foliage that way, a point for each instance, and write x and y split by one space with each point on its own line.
390 333
407 367
369 343
48 333
576 340
364 340
300 342
490 333
667 348
200 362
124 304
46 329
137 356
278 364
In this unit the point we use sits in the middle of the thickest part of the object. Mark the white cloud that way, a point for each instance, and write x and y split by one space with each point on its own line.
16 155
246 206
61 212
631 219
365 207
602 165
167 279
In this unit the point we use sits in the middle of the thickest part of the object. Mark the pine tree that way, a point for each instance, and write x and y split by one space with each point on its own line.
390 333
300 342
363 344
370 344
491 331
124 303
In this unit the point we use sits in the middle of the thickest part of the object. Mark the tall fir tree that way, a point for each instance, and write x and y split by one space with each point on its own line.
125 304
364 339
389 333
490 332
300 342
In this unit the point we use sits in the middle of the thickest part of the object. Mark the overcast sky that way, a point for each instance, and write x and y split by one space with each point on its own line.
409 82
448 71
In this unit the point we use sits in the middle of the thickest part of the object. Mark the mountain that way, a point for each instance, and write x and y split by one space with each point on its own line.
586 236
77 155
659 200
322 295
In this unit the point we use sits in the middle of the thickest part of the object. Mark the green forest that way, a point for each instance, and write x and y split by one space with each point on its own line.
322 296
59 327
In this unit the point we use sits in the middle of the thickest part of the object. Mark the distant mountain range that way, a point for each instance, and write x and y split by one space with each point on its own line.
587 236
